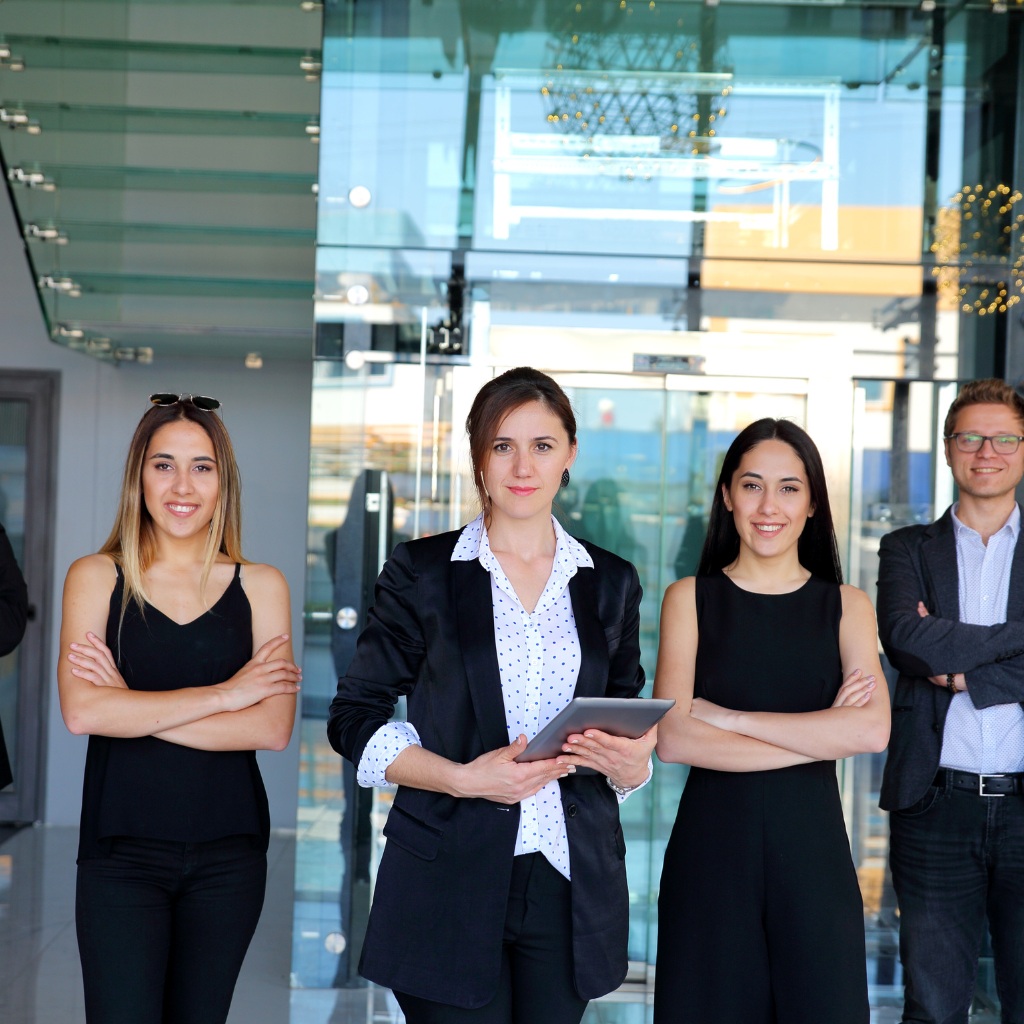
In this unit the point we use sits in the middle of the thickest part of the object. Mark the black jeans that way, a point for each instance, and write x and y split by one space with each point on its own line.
958 860
163 928
536 984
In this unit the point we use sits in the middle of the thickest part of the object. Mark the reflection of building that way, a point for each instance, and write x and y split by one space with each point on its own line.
791 253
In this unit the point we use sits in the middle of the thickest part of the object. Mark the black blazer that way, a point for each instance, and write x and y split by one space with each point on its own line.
438 913
13 616
918 563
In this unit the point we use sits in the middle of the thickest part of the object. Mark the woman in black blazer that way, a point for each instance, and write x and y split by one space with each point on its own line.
501 896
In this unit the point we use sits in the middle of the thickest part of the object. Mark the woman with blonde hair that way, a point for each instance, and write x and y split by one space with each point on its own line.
176 662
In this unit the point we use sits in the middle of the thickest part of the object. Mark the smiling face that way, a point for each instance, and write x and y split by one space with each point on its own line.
180 484
769 499
526 461
985 475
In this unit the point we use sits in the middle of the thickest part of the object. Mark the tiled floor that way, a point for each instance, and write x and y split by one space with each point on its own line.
39 974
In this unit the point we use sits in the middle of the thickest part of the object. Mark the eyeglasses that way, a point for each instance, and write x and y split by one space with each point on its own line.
199 401
1002 444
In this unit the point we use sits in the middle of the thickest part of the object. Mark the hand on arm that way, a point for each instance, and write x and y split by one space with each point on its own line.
928 646
91 700
259 699
857 722
94 698
855 692
952 681
682 737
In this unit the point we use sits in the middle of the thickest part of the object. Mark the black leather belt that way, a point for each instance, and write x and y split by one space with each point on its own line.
982 785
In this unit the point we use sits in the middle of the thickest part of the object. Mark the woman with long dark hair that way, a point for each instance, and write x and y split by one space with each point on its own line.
501 896
773 664
176 662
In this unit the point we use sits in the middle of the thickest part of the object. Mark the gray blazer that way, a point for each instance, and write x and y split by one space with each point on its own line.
918 563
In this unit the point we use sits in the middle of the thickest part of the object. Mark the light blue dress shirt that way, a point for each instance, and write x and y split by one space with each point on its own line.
987 741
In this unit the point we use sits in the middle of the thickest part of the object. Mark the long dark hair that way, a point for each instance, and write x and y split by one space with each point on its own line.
497 398
817 548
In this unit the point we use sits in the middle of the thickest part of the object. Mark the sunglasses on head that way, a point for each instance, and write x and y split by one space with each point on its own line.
199 401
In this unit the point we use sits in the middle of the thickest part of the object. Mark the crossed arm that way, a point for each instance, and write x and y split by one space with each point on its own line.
987 661
700 733
254 709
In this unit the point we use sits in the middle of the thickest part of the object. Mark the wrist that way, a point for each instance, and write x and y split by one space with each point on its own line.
218 698
620 790
631 780
732 721
458 780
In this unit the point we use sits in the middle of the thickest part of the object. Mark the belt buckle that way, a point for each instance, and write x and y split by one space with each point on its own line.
981 785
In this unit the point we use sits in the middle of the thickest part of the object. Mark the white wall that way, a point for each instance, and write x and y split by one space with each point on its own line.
267 413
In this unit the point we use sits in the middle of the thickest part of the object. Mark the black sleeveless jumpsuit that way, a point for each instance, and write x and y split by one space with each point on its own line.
760 913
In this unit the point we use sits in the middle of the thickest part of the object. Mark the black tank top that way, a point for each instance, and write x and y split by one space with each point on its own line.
147 787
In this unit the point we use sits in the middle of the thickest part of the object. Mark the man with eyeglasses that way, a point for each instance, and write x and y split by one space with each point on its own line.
951 620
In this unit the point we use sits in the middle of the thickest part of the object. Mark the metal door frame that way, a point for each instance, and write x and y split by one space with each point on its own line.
41 390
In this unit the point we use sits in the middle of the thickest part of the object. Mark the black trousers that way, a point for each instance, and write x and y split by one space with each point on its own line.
536 984
958 868
163 928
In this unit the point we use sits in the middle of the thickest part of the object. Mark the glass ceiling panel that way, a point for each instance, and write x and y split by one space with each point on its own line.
72 117
47 52
162 161
93 284
178 234
159 179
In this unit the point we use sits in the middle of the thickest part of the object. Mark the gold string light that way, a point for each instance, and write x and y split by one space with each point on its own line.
979 249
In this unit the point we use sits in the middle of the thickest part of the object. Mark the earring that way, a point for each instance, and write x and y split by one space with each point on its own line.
483 487
565 478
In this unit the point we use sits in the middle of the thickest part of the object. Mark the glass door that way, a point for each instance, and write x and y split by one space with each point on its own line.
26 464
381 473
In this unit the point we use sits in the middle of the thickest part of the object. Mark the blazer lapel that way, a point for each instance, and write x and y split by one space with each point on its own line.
593 676
938 555
474 613
1015 599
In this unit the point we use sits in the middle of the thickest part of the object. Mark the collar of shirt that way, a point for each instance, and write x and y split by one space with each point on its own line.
1012 524
570 555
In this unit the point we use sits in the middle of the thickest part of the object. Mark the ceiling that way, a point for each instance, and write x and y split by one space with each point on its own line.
162 160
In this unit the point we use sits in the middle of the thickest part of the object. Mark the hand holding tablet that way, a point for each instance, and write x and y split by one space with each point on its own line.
619 716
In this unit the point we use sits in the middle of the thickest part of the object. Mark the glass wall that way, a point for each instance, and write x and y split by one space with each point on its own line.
692 215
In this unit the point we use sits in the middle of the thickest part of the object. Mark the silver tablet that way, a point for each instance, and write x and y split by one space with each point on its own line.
620 716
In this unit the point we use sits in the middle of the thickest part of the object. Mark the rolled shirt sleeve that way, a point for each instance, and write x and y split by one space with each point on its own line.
381 750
